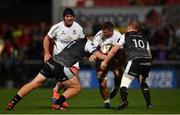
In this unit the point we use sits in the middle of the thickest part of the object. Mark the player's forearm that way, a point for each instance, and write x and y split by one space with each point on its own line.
111 53
99 55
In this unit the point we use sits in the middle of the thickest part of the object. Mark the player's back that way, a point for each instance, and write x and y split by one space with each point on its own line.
136 45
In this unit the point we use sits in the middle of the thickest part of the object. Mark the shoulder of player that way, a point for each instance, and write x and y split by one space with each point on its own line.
117 34
77 25
57 25
98 34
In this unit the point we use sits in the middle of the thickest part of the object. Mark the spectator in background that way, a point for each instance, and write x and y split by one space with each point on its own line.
23 42
96 26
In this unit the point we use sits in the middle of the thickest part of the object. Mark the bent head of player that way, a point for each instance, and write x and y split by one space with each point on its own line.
134 25
107 30
68 16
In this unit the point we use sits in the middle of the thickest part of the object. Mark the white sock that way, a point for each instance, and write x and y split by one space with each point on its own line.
107 101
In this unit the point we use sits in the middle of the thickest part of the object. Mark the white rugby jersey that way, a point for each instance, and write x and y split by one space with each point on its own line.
98 41
63 35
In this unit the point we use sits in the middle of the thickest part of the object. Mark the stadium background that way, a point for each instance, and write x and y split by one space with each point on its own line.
24 23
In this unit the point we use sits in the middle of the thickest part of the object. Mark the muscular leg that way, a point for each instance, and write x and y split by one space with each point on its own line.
26 89
103 88
73 88
125 82
60 85
117 81
35 83
146 92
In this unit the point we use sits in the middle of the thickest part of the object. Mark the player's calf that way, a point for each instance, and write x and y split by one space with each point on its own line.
113 92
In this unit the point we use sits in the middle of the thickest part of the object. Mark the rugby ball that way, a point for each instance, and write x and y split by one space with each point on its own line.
106 48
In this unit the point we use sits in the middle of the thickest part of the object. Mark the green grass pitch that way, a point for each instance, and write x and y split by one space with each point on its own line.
165 101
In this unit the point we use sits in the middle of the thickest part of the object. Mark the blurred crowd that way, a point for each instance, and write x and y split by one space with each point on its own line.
24 41
21 44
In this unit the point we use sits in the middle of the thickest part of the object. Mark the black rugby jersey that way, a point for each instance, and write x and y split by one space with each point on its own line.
74 52
136 45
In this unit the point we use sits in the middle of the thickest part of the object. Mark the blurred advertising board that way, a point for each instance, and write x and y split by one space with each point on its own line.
158 78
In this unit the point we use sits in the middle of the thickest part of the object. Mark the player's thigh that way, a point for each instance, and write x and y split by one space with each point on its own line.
39 79
132 68
118 71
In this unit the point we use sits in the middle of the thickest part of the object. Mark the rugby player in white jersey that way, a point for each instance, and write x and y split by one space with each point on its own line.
59 36
105 39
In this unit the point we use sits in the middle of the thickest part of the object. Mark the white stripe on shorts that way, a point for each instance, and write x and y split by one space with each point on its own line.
128 66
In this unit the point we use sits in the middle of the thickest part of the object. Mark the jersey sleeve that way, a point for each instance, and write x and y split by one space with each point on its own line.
89 47
121 41
81 33
96 39
52 31
117 36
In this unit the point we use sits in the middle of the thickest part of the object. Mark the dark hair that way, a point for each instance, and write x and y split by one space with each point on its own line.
107 25
68 11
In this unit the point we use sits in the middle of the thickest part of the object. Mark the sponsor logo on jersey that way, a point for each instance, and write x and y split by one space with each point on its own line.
65 41
74 32
63 32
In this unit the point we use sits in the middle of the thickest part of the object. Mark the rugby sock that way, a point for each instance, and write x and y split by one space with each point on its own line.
146 93
107 101
123 93
16 99
61 100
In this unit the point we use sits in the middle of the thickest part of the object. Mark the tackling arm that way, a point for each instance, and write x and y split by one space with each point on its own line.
99 55
111 54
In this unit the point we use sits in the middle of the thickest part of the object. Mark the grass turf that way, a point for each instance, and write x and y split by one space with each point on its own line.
165 101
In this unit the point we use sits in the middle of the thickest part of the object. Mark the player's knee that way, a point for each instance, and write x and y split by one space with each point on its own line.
77 88
123 89
103 84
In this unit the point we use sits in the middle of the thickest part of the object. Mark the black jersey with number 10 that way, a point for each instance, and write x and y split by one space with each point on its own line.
136 45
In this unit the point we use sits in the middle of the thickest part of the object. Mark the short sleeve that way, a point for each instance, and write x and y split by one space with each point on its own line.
89 47
121 41
52 31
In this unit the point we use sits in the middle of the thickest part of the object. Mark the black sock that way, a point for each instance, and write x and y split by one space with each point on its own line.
61 100
146 93
16 99
123 93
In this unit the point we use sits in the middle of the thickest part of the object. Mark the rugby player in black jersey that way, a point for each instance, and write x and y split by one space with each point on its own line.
59 67
139 62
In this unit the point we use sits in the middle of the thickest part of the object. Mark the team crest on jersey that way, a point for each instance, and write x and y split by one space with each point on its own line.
74 32
62 32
